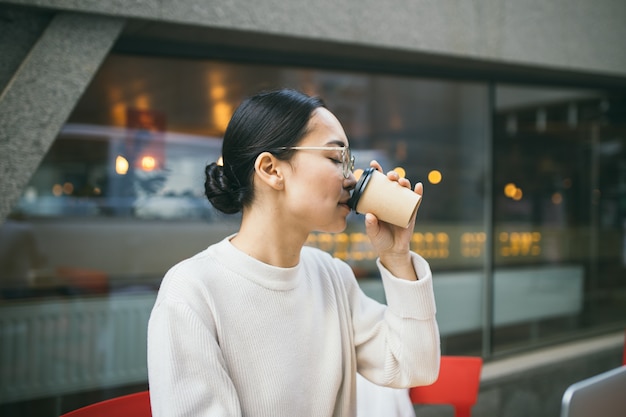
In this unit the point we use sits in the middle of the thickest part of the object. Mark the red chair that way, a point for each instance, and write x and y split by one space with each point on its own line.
132 405
457 385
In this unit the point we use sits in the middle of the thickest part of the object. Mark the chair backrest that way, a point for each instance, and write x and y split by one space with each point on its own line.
457 385
132 405
601 395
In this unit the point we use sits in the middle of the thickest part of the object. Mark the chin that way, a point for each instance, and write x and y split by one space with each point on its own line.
335 228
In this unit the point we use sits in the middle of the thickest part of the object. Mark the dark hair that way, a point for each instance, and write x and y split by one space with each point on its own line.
264 122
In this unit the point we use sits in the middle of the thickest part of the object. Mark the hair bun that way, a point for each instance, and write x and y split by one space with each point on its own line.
220 190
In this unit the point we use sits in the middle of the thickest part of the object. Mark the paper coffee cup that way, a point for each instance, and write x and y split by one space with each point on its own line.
387 200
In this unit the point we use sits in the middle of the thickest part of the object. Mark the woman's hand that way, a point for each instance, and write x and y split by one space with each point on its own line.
393 243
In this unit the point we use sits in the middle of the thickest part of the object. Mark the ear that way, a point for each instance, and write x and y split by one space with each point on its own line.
268 169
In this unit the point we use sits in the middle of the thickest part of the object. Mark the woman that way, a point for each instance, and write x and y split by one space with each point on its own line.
260 325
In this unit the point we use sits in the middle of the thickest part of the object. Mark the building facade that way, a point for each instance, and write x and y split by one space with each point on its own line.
512 114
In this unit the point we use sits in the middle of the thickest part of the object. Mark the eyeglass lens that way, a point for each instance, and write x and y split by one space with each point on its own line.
348 162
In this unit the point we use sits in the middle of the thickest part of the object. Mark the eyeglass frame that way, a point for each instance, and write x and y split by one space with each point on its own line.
347 159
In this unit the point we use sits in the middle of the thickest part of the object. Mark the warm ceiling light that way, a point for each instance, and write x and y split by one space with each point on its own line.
509 190
400 171
434 177
121 165
148 163
57 190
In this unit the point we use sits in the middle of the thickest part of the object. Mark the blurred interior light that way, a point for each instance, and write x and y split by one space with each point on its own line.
513 191
142 102
57 190
434 177
148 163
400 171
222 113
118 114
217 92
121 165
509 190
557 198
220 161
68 188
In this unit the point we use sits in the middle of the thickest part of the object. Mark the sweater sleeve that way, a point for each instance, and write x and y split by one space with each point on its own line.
398 345
186 370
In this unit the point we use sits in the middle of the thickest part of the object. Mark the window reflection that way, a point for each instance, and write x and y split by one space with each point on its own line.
107 171
559 188
119 199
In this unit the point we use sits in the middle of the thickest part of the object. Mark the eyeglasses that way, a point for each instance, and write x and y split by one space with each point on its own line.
347 159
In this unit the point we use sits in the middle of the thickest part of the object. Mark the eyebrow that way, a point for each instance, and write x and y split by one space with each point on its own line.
337 142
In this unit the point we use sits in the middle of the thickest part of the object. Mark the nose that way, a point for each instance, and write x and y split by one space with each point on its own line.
350 182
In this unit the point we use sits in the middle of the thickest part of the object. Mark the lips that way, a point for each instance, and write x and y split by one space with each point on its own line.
345 205
345 200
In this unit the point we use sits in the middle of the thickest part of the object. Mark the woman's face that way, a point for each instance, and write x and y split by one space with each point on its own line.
316 190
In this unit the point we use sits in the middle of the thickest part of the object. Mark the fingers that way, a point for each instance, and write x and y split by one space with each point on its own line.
372 227
419 188
370 220
394 176
374 164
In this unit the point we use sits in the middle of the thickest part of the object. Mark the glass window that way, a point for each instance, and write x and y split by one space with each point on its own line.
118 200
560 213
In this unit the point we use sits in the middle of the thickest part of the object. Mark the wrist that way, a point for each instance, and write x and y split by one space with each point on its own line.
396 258
399 264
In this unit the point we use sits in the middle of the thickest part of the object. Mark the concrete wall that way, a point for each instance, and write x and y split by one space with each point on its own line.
579 35
52 48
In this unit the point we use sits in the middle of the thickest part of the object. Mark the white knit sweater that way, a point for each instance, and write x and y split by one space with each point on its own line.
232 336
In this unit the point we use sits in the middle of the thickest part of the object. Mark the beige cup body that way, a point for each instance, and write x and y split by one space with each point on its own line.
388 201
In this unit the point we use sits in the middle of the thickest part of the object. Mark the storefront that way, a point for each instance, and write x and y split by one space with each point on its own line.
523 219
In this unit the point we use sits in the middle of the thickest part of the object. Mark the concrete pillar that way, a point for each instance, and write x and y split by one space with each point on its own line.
40 92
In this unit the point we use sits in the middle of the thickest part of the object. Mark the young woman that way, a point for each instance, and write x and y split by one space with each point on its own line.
261 325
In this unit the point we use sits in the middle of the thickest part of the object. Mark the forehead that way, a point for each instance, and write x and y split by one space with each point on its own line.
324 130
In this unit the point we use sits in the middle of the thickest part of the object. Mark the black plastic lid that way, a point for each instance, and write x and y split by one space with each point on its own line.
359 188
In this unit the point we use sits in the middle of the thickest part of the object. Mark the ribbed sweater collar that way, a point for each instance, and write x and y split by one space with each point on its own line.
265 275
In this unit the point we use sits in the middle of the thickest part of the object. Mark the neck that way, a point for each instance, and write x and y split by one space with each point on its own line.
266 236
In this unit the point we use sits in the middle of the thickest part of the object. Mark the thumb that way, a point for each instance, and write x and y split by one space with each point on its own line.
371 225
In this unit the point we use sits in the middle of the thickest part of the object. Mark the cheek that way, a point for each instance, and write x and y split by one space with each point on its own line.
320 190
316 183
328 189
